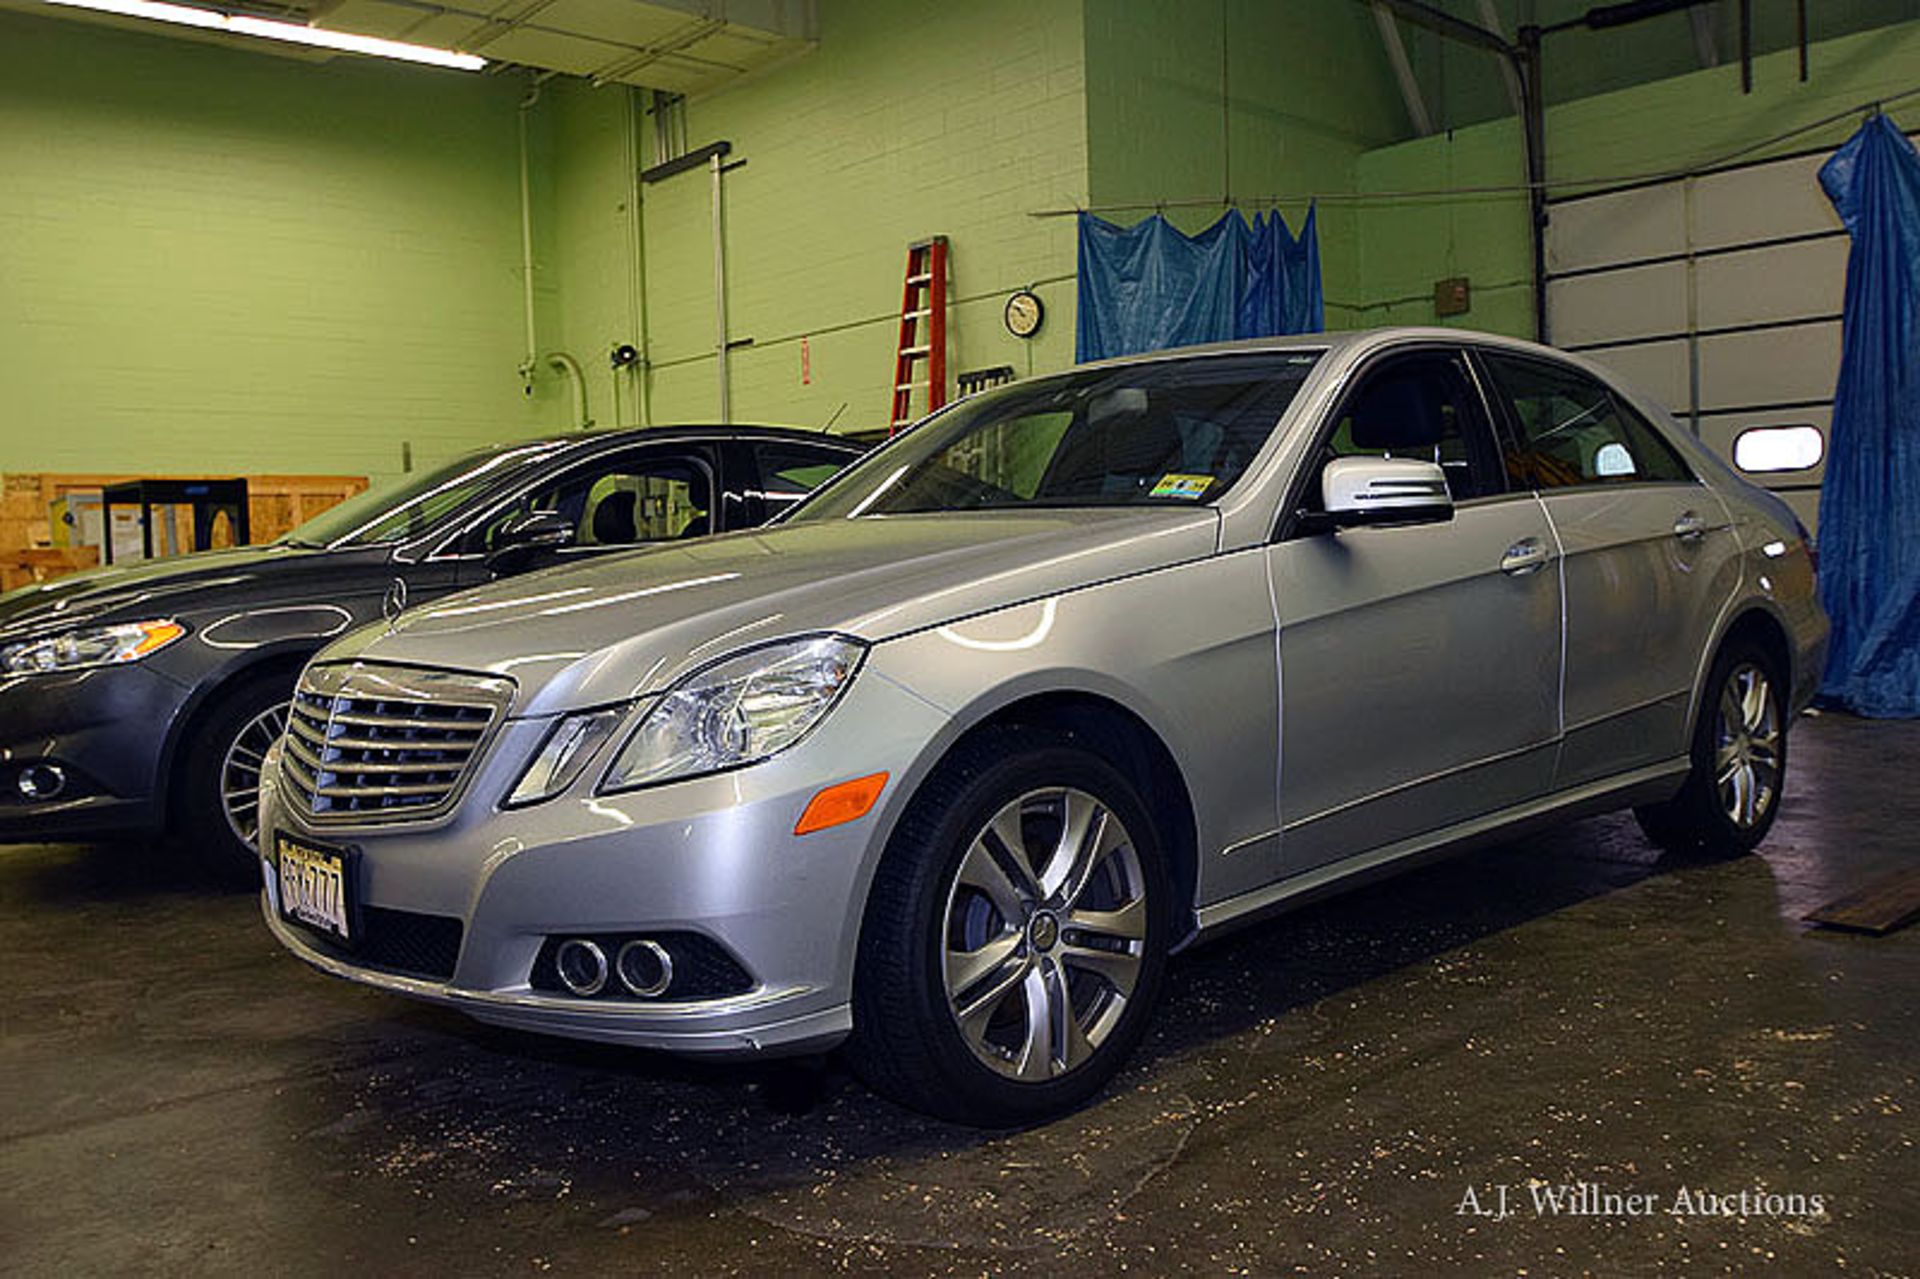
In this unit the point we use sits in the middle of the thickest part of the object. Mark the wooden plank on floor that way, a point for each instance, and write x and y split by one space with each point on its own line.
1886 904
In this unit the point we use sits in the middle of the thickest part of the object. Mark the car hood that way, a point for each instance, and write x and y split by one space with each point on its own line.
149 589
623 626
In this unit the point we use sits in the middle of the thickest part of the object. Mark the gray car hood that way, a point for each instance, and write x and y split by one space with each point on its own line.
616 628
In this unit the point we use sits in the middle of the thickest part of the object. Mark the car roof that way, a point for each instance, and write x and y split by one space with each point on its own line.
693 431
1344 341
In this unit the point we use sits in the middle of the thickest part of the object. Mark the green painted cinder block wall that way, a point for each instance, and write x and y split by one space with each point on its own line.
1408 242
912 118
1241 100
215 259
292 265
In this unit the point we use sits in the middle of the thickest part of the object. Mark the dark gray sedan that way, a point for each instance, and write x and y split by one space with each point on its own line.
142 698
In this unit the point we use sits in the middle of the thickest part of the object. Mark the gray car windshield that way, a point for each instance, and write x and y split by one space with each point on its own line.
413 504
1172 432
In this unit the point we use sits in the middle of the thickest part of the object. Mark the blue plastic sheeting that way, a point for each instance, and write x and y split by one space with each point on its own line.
1282 289
1870 499
1151 286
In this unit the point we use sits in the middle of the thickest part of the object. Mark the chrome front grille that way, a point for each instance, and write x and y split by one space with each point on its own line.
377 743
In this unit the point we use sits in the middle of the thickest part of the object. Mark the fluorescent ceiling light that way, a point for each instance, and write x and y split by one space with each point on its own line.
291 32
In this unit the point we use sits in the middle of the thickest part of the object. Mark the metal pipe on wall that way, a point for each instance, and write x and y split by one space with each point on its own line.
571 367
636 262
528 365
716 167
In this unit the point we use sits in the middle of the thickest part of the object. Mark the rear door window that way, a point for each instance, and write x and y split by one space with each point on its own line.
1571 430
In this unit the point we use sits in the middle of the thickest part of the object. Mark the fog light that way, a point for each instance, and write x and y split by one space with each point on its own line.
582 966
645 968
41 781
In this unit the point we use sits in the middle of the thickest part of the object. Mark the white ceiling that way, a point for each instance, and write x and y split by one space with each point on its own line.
682 46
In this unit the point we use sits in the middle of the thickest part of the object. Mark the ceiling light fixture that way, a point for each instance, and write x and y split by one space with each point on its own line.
290 32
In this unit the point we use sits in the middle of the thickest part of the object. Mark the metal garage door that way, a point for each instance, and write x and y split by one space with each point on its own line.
1719 293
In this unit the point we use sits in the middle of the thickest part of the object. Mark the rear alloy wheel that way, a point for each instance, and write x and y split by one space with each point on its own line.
1739 763
1015 936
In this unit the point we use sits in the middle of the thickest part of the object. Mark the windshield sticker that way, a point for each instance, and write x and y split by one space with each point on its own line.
1187 486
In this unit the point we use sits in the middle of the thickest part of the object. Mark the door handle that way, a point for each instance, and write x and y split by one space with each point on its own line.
1525 556
1689 527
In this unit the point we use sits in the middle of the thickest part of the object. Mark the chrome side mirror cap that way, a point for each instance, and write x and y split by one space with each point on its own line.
1358 491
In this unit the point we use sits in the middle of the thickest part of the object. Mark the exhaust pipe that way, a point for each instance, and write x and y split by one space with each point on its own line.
645 968
582 966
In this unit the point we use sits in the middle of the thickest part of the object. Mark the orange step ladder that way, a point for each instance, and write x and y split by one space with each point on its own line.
925 298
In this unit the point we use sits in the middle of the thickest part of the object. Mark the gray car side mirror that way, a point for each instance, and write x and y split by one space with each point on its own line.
521 539
1384 490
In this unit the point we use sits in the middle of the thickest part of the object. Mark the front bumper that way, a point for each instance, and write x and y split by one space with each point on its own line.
715 856
107 731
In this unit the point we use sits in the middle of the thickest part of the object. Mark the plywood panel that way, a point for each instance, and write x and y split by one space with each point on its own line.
1786 282
1661 369
1766 202
1771 366
1613 305
1622 227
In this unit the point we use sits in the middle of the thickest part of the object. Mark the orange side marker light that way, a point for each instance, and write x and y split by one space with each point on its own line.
841 803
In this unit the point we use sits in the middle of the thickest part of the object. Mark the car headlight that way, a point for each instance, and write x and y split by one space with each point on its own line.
569 748
89 646
737 711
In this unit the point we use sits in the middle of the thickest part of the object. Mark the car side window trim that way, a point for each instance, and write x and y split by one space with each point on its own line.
1286 524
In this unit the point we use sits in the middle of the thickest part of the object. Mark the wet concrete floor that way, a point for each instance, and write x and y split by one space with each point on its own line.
1318 1097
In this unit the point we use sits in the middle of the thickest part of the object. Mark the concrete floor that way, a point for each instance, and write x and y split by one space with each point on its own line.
1319 1094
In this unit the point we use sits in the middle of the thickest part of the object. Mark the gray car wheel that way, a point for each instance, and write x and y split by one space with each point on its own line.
1015 935
1739 756
240 772
1046 925
217 790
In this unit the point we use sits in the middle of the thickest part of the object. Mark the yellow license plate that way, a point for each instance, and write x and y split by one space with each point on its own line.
314 887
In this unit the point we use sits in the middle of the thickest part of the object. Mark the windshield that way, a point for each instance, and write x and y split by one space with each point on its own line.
413 503
1174 432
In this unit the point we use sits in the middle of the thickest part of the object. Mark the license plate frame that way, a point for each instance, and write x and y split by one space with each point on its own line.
315 883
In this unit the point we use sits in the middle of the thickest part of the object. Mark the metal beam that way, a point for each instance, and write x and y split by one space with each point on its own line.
1425 15
1402 69
1491 19
1706 38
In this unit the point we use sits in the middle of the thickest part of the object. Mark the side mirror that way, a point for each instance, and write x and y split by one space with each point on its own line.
520 540
1359 491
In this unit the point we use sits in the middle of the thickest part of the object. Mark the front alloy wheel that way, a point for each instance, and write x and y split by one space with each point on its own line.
240 773
1015 934
1046 926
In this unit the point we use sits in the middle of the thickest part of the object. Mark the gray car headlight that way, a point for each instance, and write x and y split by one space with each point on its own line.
737 711
89 646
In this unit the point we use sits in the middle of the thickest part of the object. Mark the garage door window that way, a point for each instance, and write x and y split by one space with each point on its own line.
1767 449
1574 431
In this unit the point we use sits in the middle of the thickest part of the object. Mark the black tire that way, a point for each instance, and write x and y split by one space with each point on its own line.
907 1040
1712 816
202 829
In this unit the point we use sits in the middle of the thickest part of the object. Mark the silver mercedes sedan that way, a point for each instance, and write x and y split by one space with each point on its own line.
1073 674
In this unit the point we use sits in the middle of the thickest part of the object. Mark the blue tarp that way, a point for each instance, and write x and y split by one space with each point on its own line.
1870 499
1151 286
